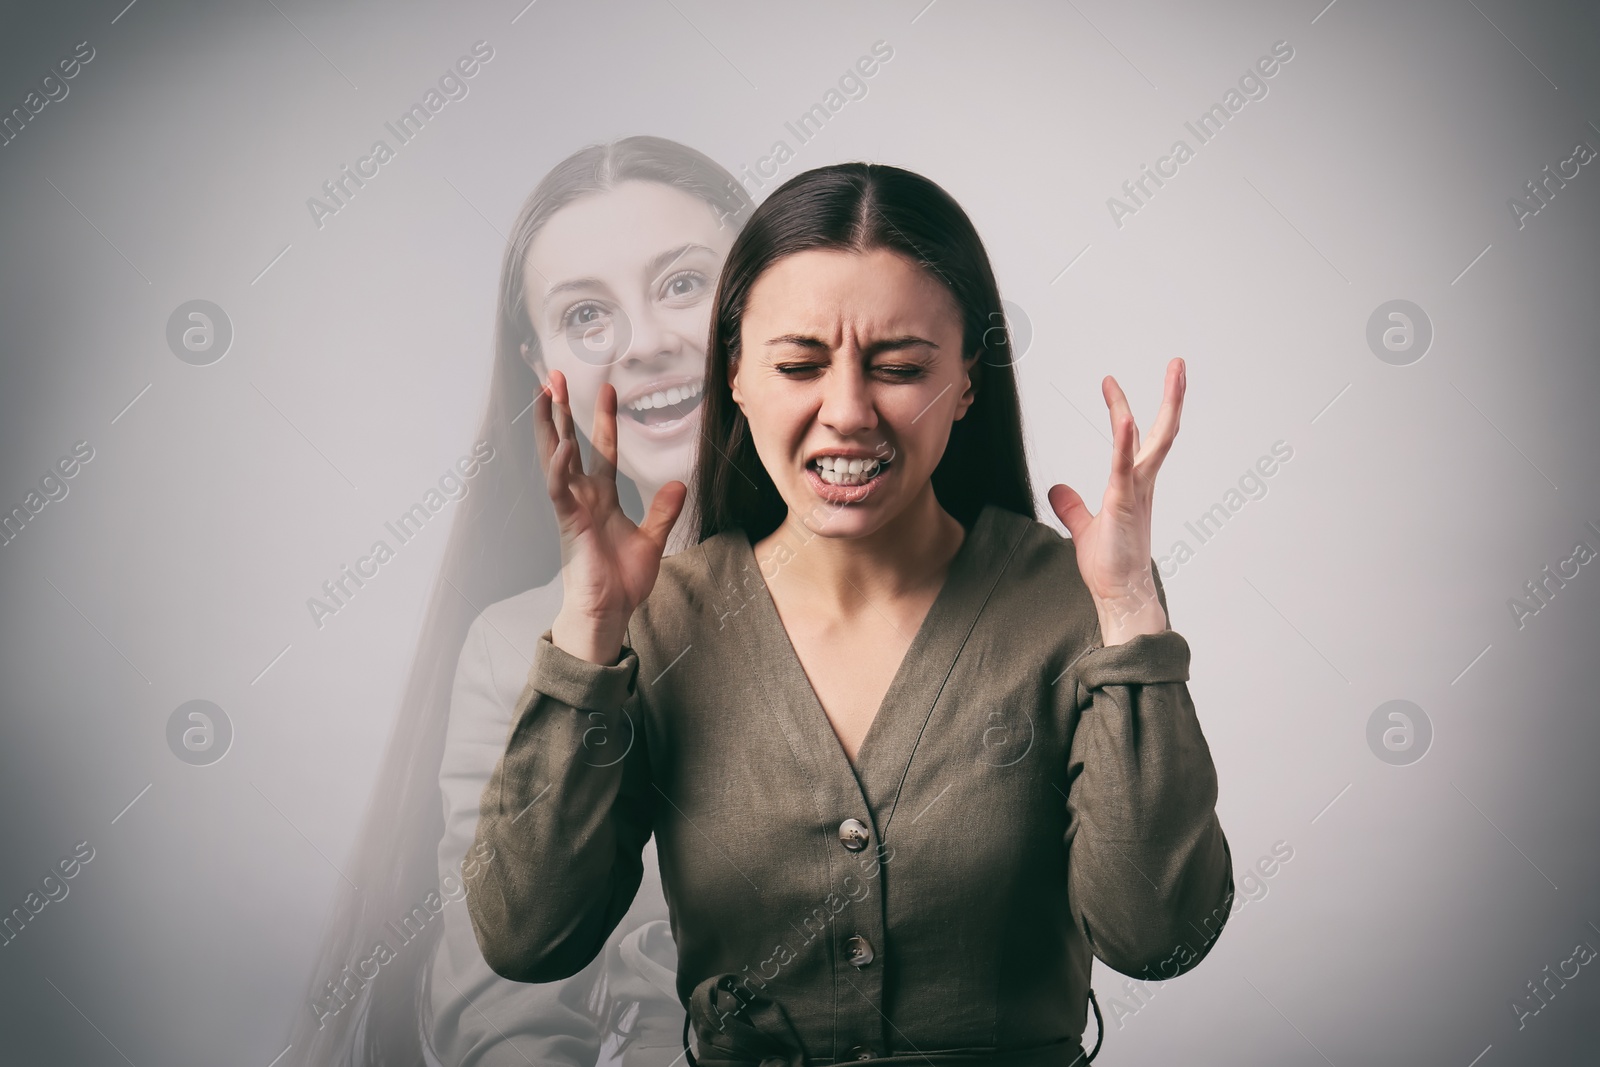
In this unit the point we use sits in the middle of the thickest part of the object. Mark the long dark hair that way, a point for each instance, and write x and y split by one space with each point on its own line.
858 207
504 540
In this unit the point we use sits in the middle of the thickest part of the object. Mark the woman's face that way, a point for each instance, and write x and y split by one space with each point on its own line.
618 288
850 354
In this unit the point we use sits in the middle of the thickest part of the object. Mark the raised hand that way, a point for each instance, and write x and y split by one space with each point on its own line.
608 565
1114 546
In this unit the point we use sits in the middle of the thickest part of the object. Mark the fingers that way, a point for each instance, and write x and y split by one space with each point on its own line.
1165 428
663 513
571 490
1116 400
558 478
1124 431
1145 456
558 444
1070 509
561 400
1123 442
605 431
563 405
544 429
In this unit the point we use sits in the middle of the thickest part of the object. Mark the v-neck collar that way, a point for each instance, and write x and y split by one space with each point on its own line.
885 752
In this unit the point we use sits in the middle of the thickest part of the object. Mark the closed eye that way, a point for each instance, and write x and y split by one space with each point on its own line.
896 372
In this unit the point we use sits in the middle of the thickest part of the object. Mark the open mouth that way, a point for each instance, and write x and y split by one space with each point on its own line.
835 470
666 405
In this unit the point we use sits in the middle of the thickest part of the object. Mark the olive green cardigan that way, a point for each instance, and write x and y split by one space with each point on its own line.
1025 797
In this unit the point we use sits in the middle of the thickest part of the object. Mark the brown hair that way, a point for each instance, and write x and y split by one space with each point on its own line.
858 207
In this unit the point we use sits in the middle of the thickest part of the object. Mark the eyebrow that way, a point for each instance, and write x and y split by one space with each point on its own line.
888 344
657 264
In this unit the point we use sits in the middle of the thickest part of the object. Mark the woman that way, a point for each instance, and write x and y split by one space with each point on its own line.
607 279
801 690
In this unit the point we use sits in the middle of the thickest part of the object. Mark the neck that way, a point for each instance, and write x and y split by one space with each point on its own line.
845 575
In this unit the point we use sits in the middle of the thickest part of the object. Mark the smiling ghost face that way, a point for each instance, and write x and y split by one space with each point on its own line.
851 356
618 288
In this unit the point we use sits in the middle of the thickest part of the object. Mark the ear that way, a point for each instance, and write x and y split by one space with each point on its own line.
733 382
973 363
536 363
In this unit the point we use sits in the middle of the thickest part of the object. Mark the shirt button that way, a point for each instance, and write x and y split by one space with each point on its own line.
862 1052
853 834
860 950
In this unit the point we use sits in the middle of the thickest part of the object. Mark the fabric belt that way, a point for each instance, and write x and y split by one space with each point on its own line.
737 1028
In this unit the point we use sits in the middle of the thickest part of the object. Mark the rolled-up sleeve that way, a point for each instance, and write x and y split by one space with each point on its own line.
565 817
1149 871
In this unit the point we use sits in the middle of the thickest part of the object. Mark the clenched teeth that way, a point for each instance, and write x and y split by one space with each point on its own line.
836 470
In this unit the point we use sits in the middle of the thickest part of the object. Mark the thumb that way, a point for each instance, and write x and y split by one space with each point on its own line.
1070 509
664 509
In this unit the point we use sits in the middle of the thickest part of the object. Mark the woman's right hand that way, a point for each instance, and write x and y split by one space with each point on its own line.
608 565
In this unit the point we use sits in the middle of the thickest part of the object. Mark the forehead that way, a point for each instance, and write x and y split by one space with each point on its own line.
829 291
613 233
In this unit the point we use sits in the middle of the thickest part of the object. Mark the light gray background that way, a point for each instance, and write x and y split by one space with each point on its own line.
1420 899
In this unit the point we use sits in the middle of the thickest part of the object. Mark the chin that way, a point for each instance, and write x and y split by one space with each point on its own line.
830 520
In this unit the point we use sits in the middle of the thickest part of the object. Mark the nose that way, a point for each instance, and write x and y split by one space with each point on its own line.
646 337
846 399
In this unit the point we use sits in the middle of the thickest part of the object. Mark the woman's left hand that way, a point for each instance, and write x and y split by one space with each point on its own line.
1114 546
